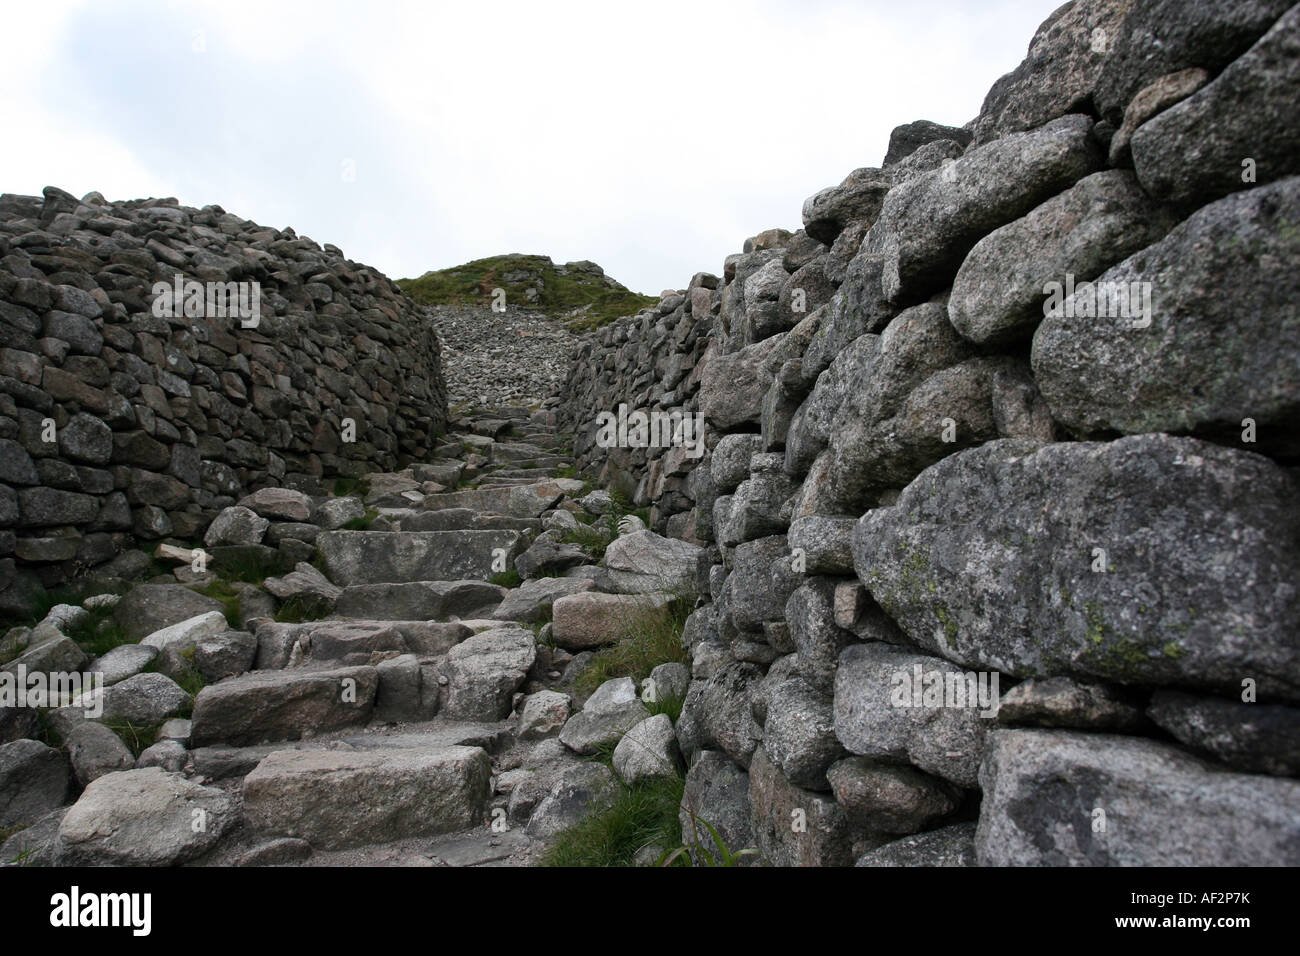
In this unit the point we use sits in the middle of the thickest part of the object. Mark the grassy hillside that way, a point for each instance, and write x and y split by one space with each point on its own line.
578 292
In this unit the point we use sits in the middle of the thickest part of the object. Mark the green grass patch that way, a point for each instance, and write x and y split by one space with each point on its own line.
644 814
250 565
189 679
351 487
509 578
473 283
98 633
590 538
302 607
221 591
362 523
649 639
671 705
137 738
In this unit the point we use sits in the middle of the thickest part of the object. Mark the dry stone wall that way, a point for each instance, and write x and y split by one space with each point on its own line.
1000 496
120 426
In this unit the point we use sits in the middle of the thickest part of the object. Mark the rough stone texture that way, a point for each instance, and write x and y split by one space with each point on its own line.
716 790
484 671
194 410
888 798
857 198
122 662
533 601
644 562
907 139
948 846
794 827
590 619
873 719
1195 149
1252 738
1162 807
33 781
1149 101
143 818
235 525
397 557
543 714
145 700
718 714
799 734
998 293
187 633
147 608
929 223
609 713
647 750
338 799
978 549
1063 702
1067 58
418 600
1161 36
1223 340
578 791
951 562
283 705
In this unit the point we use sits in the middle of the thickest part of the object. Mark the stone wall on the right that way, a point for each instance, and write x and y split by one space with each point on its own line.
1000 499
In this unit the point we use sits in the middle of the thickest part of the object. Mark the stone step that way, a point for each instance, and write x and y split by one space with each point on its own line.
362 638
275 705
220 762
361 797
397 557
525 501
460 519
498 481
536 473
420 600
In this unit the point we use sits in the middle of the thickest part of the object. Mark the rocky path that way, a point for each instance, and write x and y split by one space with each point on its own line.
500 358
404 696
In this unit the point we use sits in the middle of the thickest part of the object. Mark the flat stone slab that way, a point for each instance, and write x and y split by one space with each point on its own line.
283 705
336 799
396 557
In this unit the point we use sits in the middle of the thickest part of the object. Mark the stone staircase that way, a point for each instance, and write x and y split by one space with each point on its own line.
415 720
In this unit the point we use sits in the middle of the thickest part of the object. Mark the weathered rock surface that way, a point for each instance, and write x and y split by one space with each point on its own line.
1059 798
337 799
143 818
951 562
1196 361
882 713
283 705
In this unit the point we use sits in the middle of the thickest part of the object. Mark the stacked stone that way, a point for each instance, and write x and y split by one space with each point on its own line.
649 362
924 473
119 426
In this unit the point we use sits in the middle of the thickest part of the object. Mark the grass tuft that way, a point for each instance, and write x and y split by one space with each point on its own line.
221 591
362 523
644 814
302 607
509 578
473 283
351 487
650 639
137 738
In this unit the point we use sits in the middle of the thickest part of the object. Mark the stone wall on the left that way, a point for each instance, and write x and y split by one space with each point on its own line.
119 427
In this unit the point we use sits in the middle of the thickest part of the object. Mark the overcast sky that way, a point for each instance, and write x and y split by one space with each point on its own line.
650 137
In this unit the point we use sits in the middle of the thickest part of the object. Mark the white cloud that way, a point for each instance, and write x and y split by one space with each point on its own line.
652 139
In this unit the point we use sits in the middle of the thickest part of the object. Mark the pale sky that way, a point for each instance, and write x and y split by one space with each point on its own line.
651 138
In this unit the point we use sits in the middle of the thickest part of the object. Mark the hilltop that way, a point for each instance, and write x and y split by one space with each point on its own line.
578 292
